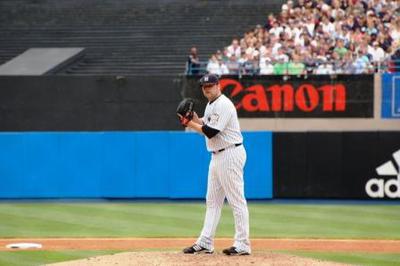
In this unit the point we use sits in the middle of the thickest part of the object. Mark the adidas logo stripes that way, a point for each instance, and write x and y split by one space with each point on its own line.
379 188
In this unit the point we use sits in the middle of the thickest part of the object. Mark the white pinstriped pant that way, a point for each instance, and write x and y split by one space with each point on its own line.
225 179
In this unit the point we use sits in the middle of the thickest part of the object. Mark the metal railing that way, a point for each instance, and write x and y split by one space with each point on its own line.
315 67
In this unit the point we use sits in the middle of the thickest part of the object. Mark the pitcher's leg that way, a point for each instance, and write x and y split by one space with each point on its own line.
214 201
233 186
238 204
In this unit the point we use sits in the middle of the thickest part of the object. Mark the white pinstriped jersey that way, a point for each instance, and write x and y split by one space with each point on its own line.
221 115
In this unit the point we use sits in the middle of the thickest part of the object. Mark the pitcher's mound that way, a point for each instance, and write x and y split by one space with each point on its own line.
177 258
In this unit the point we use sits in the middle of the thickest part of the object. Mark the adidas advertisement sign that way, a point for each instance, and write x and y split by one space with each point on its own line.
384 187
337 165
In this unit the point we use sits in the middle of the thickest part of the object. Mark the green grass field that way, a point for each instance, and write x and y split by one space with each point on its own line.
39 257
356 258
185 220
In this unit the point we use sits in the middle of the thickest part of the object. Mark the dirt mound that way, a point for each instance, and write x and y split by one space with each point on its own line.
132 244
177 258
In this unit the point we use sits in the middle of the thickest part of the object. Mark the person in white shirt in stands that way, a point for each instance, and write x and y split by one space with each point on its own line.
276 29
324 68
223 68
377 53
281 56
266 66
213 66
234 49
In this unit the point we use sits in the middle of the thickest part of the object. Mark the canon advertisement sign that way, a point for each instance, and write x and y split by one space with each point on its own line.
286 98
275 96
299 97
384 187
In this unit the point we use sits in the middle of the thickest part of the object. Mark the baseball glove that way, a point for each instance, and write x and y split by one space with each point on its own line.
185 111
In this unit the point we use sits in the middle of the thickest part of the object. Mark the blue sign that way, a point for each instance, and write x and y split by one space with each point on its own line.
391 96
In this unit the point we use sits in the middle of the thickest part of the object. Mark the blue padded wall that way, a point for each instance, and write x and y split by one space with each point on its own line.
159 164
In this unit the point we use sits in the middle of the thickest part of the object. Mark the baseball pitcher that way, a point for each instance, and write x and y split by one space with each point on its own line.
220 126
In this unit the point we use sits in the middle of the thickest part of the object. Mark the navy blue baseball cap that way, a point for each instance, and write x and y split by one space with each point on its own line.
209 79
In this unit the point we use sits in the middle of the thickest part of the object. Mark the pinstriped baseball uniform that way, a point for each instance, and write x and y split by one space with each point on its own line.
225 174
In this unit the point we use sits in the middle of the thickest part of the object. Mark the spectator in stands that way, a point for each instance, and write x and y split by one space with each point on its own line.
275 45
234 49
233 65
394 29
324 68
357 35
340 49
258 33
370 28
327 26
266 66
281 56
265 62
345 64
309 61
223 68
299 5
276 29
394 63
251 50
270 21
377 53
220 56
361 65
342 65
247 64
281 67
384 39
213 66
295 66
193 62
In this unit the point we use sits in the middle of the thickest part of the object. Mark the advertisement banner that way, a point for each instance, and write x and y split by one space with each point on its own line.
390 95
337 165
321 96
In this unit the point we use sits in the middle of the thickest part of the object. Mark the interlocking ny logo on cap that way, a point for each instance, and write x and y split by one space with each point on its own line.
378 188
206 78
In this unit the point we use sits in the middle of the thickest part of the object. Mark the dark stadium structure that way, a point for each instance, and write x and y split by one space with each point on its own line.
127 37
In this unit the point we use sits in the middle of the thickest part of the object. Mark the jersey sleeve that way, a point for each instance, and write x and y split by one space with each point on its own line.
220 117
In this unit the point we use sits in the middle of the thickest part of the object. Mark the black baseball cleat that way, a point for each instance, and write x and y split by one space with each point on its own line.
232 251
196 249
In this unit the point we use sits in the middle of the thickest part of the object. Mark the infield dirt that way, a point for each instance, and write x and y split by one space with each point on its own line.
177 258
349 245
262 250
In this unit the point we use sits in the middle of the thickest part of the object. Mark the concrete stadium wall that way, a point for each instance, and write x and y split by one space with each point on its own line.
158 164
88 103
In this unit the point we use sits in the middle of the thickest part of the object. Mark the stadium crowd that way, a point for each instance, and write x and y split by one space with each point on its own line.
314 36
